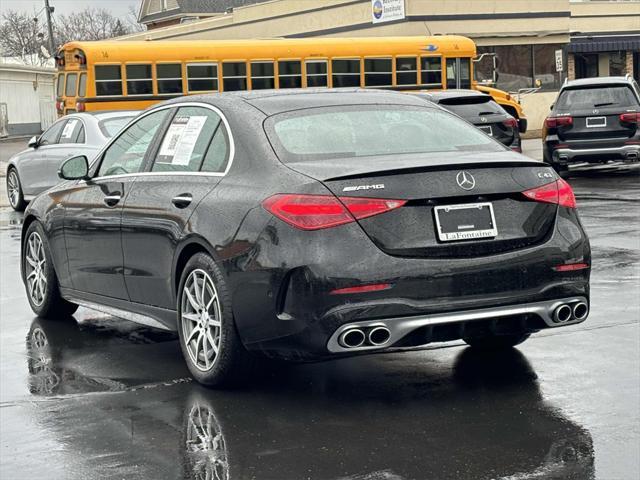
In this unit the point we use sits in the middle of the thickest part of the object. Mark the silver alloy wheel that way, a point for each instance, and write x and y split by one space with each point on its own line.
36 263
13 188
205 445
201 317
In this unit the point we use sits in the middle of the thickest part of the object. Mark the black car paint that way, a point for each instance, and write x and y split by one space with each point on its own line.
279 277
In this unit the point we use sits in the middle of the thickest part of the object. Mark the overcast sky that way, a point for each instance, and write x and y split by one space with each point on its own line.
118 8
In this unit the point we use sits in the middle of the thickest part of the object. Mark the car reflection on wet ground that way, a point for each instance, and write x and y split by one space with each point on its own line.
98 397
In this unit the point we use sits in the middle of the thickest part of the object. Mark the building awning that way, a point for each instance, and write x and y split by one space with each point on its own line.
597 43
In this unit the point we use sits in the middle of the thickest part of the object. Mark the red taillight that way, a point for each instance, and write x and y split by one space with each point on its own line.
510 122
80 107
517 149
553 122
375 287
558 192
630 117
59 106
314 212
570 267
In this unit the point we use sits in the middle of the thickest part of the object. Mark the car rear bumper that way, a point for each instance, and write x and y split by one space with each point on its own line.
564 156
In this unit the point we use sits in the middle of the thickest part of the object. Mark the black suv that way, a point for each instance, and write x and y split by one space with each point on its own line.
482 111
593 120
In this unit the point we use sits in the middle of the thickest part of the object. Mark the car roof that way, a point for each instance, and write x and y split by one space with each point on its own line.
272 102
597 81
104 114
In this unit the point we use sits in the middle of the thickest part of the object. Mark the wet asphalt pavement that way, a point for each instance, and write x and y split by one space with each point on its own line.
96 397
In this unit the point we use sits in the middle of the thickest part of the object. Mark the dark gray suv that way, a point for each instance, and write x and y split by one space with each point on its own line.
593 120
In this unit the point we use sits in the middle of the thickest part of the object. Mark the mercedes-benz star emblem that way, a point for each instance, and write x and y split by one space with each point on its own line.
465 180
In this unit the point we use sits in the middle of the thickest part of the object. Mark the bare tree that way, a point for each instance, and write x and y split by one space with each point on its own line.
90 24
22 36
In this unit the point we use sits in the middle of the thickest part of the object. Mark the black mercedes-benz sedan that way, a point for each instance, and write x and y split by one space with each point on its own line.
309 225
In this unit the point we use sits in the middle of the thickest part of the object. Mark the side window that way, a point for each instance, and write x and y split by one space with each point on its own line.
316 73
262 76
217 156
346 72
51 135
72 131
186 140
406 71
202 77
70 89
82 85
108 80
126 154
377 72
290 74
234 76
431 71
139 80
169 78
60 85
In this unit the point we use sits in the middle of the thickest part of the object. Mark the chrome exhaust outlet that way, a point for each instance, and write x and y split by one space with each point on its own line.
580 311
562 314
379 336
352 338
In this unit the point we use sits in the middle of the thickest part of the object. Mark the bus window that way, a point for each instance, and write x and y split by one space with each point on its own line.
60 85
169 78
82 85
377 72
202 77
70 89
465 73
316 73
290 74
406 71
458 73
139 81
262 76
431 68
234 76
346 72
108 80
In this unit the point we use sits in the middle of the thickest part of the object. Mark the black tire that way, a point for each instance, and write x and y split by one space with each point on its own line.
13 185
231 363
496 342
47 301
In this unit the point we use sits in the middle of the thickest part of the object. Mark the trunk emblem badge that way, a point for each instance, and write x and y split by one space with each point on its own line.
465 180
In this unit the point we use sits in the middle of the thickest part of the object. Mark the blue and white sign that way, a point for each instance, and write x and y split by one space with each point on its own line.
387 10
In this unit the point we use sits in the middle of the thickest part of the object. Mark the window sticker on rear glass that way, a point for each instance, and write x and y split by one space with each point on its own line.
68 128
180 140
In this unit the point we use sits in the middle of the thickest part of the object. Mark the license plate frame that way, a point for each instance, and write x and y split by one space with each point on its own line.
465 231
596 122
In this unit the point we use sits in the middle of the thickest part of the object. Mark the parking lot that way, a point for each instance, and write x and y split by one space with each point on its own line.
100 397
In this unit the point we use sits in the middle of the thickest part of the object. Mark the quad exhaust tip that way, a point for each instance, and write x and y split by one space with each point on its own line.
562 314
580 311
352 338
379 336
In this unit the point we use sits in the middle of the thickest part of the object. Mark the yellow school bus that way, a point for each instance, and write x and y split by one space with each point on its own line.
115 75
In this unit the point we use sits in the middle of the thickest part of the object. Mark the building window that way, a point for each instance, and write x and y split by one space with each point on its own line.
234 76
108 80
290 74
378 72
406 71
346 72
431 71
316 73
262 76
544 61
139 81
586 65
169 78
617 64
202 77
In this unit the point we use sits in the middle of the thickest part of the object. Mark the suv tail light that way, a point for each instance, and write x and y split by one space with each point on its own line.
630 117
553 122
315 212
558 192
510 122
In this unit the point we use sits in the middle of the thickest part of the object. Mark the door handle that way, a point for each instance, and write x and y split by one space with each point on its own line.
182 201
111 200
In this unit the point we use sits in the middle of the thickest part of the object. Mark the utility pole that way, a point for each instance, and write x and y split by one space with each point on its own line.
49 10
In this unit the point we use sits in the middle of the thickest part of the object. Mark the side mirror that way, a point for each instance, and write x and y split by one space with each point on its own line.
75 168
33 142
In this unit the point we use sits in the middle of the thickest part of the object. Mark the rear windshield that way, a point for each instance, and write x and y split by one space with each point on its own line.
111 126
595 97
358 131
472 107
